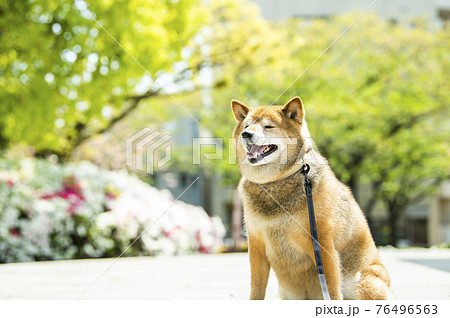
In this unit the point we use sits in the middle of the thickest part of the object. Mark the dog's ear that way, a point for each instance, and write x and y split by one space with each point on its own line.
240 110
294 109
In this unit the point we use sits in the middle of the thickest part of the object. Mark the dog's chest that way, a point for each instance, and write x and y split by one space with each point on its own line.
270 201
286 257
280 214
282 248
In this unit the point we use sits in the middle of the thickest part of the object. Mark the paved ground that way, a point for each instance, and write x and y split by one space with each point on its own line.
415 274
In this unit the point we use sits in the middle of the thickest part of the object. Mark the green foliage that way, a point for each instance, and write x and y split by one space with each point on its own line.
376 101
62 74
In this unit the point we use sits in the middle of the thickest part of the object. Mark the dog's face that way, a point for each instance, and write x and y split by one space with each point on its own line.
269 139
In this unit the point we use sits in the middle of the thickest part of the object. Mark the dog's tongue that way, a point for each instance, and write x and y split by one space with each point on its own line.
256 151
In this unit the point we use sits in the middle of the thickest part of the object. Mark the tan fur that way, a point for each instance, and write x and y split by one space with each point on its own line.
273 196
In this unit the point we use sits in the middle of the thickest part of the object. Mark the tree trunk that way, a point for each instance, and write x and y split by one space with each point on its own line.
353 184
368 208
370 205
4 141
393 236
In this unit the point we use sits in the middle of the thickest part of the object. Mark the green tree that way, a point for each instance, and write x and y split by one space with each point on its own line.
373 101
407 167
64 78
248 56
391 112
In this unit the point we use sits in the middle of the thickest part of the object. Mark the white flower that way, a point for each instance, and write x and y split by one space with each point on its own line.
50 211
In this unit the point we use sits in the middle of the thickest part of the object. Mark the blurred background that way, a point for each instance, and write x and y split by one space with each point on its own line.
78 78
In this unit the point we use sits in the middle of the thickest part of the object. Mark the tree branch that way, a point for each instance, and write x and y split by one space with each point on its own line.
134 102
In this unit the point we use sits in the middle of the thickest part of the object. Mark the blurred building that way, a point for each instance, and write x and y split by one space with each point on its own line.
438 216
436 11
425 223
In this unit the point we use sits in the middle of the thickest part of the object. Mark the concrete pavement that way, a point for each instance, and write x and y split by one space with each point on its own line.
415 274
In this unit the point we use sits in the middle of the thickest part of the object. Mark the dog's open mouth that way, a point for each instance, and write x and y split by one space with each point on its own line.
256 152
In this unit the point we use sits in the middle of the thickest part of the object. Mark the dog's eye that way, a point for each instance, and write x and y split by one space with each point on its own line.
245 127
268 127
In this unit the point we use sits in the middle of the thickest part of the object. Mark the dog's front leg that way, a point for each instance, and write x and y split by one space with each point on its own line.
332 270
330 258
259 265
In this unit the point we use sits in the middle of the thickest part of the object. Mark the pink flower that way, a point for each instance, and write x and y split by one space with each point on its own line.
204 249
10 182
71 192
110 195
197 235
14 232
70 183
48 196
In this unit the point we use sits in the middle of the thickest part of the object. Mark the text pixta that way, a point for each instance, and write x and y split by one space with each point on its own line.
336 310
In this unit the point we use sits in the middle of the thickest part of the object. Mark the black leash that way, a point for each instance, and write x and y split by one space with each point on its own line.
314 236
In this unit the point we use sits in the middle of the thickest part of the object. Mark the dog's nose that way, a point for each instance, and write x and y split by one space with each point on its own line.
247 134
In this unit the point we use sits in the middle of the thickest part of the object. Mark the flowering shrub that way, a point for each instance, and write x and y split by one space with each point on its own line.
51 211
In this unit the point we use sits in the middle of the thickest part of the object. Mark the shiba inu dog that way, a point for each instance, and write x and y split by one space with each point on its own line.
272 144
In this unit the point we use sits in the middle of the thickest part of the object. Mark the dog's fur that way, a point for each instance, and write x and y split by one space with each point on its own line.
276 214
